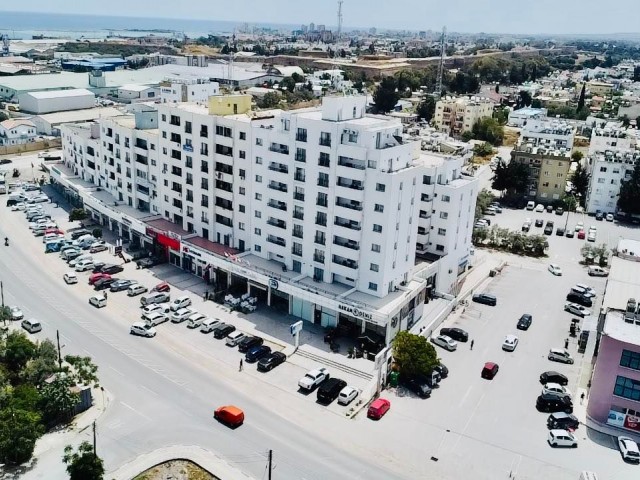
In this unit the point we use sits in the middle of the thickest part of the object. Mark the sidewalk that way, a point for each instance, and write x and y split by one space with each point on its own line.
203 458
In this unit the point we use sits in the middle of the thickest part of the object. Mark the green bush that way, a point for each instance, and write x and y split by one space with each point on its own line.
97 232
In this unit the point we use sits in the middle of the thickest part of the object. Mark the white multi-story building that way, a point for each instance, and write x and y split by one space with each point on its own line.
552 134
17 132
613 154
455 115
194 90
319 211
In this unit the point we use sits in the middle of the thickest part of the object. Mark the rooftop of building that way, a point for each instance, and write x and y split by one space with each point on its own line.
530 111
616 327
74 116
467 100
16 122
135 88
68 93
551 126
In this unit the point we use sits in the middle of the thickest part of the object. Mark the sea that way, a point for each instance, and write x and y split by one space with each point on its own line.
26 25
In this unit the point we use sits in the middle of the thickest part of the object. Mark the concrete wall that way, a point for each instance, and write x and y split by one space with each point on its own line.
30 147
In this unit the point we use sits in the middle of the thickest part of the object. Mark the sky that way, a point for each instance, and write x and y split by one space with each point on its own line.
489 16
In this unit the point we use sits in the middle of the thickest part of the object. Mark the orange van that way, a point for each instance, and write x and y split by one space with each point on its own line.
229 415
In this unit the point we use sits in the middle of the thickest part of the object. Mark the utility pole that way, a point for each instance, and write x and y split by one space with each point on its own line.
270 462
438 91
2 293
95 454
339 33
4 317
59 350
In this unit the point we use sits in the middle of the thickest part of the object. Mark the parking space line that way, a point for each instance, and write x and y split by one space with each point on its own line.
134 410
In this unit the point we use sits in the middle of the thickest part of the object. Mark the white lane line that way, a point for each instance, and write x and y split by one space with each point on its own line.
134 410
149 390
117 371
465 396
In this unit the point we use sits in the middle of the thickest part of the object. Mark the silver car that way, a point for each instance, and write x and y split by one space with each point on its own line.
445 342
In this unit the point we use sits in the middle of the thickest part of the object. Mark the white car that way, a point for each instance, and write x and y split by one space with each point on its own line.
445 342
593 228
98 246
80 259
313 378
16 313
180 302
84 265
629 450
579 226
18 207
609 217
539 208
181 315
595 271
347 395
155 318
562 438
555 388
156 307
591 237
195 320
98 301
70 278
510 343
576 309
560 355
136 289
142 329
583 289
555 269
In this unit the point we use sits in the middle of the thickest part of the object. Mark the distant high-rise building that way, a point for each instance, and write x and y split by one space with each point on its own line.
422 34
321 28
304 29
312 27
373 30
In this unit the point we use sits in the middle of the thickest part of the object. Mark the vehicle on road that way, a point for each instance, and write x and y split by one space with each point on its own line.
195 320
539 222
565 421
553 403
143 330
154 297
559 211
445 342
16 313
609 217
579 226
347 395
555 269
313 378
548 228
84 265
155 318
569 234
121 285
560 355
111 269
155 307
591 237
580 299
234 338
256 353
271 361
249 342
599 215
378 408
576 309
531 205
581 235
489 370
229 415
418 385
31 325
629 450
584 290
524 322
553 377
70 278
223 330
510 343
180 302
562 438
539 208
595 271
162 287
560 231
457 334
98 301
555 388
94 277
485 299
146 262
104 283
329 390
179 316
136 289
208 324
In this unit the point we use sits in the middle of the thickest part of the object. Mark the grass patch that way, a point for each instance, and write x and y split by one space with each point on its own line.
176 470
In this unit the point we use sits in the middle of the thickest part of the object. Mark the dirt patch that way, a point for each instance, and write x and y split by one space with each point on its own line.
176 470
510 137
199 50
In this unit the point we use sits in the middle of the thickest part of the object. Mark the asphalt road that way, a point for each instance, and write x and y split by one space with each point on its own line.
164 395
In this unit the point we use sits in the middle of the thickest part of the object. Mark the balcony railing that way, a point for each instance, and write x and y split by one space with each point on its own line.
346 243
277 241
318 258
277 223
279 205
298 233
345 262
298 215
300 157
353 205
298 196
350 184
299 177
348 224
320 240
301 137
349 162
281 187
278 167
277 148
296 251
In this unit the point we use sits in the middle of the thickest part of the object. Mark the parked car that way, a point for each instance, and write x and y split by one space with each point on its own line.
249 342
271 361
445 342
524 322
346 395
595 271
526 226
180 302
559 211
329 390
418 385
510 343
629 450
442 370
209 324
584 289
16 313
161 287
93 278
531 205
553 377
179 316
599 215
579 298
485 298
539 222
256 353
378 408
146 262
155 307
562 438
31 325
136 289
560 355
98 301
490 370
555 269
195 320
104 283
313 378
111 269
555 388
223 330
70 278
554 403
565 421
581 235
548 228
569 233
155 318
97 267
98 246
539 208
120 285
560 231
457 334
591 237
579 226
143 330
609 217
234 338
576 309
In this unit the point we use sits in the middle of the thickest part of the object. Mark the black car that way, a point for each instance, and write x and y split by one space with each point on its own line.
256 353
570 233
418 385
559 211
485 299
553 403
104 283
223 330
146 262
579 299
539 222
457 334
525 322
97 267
560 231
548 228
553 377
79 233
564 421
599 215
442 370
111 269
329 390
271 361
121 285
248 343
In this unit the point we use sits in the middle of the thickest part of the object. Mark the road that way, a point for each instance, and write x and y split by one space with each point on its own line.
163 397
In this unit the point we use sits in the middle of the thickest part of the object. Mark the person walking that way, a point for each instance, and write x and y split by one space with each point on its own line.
105 295
471 344
240 369
566 343
581 398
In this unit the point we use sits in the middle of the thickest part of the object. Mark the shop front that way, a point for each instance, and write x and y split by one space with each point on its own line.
165 245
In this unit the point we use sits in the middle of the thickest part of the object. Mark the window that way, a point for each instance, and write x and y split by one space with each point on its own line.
187 127
426 179
442 231
258 196
257 231
224 131
373 286
188 162
257 213
630 359
380 187
259 141
444 215
242 154
446 198
241 208
439 248
375 247
379 208
259 178
257 248
627 388
603 169
601 180
241 190
374 268
205 201
243 135
241 226
377 228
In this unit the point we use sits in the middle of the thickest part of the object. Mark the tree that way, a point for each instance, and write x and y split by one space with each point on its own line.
43 365
580 181
372 48
83 464
501 114
3 116
483 149
297 78
601 253
78 214
288 83
581 98
19 430
58 400
625 120
269 100
413 354
5 314
576 156
629 199
426 108
512 178
484 199
84 370
385 97
489 130
18 350
524 99
497 88
97 232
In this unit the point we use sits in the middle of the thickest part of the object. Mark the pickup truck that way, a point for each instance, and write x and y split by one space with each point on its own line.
313 378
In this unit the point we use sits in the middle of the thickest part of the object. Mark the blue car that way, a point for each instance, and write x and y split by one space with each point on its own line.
54 246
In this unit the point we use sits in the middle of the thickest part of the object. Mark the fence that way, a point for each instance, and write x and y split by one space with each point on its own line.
30 147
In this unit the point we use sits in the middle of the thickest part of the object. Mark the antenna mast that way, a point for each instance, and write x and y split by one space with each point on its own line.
438 91
339 33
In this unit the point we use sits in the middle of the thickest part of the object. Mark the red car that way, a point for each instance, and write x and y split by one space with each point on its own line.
53 230
490 370
581 234
161 287
97 276
378 408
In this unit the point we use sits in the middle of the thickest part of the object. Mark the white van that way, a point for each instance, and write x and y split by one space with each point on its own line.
208 324
155 297
31 325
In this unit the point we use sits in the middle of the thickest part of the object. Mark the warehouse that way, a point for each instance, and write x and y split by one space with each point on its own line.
56 101
49 123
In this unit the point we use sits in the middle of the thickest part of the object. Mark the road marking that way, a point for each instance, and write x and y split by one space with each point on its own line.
149 390
117 371
466 425
465 396
134 410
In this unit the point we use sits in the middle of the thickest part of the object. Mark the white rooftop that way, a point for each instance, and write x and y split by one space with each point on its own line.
73 92
616 328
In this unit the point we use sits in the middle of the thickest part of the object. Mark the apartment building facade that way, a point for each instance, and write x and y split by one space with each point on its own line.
197 90
316 210
455 115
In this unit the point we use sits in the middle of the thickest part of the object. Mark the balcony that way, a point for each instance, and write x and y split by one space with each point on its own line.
279 205
279 148
343 242
276 240
142 160
301 157
320 239
323 182
351 163
278 167
297 231
174 120
301 137
277 223
351 205
222 220
298 215
227 187
141 144
176 171
298 196
281 187
296 251
299 177
322 202
348 183
325 141
176 138
224 168
224 204
350 224
424 214
224 150
318 258
345 262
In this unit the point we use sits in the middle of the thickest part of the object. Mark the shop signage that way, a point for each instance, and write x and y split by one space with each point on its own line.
191 252
356 312
126 221
151 232
173 235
